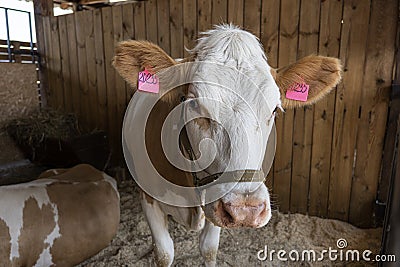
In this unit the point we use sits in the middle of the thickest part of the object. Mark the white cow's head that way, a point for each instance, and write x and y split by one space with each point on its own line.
237 109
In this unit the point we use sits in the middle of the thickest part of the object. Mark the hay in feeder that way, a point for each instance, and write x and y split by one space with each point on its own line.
32 129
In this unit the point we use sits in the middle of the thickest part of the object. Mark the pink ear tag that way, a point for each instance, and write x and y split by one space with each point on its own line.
298 91
148 82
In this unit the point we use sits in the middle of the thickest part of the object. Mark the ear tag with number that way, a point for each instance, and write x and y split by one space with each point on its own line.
148 82
298 91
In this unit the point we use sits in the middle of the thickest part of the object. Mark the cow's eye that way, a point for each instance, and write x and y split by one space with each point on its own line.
193 104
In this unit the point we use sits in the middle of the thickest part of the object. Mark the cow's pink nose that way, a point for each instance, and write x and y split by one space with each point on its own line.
242 215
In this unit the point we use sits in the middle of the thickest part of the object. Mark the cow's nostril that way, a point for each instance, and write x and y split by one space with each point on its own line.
260 209
225 213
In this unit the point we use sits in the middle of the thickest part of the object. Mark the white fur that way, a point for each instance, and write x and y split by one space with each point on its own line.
244 103
158 223
209 241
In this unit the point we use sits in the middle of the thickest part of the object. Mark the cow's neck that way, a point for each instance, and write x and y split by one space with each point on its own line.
154 146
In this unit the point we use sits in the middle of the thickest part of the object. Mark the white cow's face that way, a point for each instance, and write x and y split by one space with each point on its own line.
231 126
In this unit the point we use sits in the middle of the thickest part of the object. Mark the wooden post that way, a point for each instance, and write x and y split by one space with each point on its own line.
391 230
17 51
42 8
388 158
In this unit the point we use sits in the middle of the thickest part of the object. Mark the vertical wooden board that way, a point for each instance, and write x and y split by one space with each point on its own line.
308 28
119 86
252 16
288 37
65 63
73 61
379 62
81 20
128 26
163 30
346 121
204 22
389 151
112 110
16 46
329 38
48 61
270 30
101 122
139 21
151 21
189 25
303 117
56 70
176 28
235 12
91 94
219 11
41 49
128 33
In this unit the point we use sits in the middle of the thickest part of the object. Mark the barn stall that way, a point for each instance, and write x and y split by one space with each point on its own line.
334 160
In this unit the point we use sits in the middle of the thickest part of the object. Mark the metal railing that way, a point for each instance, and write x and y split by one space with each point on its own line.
9 42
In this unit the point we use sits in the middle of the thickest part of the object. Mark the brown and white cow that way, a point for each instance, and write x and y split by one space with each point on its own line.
60 219
242 205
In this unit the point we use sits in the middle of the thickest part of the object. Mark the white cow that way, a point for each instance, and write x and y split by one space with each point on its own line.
244 108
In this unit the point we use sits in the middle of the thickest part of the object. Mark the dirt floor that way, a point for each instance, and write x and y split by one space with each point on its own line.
133 246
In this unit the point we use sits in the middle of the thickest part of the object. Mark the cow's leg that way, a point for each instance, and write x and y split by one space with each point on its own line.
158 222
209 240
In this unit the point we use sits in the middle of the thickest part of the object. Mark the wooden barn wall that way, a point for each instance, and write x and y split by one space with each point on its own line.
328 156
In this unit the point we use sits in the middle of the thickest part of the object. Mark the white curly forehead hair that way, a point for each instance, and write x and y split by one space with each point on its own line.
245 68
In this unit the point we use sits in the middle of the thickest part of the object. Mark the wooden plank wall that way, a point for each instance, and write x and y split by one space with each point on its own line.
328 156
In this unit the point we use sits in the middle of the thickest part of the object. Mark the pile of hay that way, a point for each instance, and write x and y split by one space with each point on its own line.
32 129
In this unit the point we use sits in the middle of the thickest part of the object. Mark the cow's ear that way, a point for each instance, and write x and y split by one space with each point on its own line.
320 74
133 56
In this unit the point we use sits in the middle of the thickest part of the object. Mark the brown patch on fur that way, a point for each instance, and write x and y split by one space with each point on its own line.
148 198
88 214
154 148
79 173
5 245
322 74
51 173
38 223
204 123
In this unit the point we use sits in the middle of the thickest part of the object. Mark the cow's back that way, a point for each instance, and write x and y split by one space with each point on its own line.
60 219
